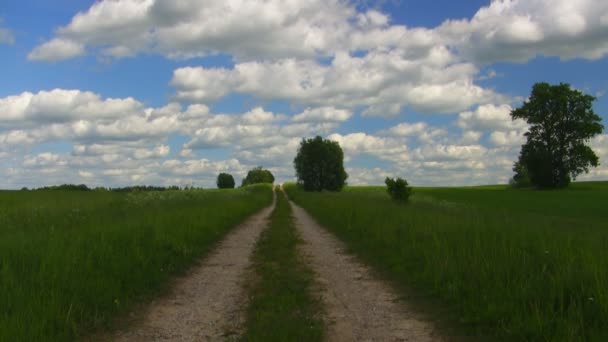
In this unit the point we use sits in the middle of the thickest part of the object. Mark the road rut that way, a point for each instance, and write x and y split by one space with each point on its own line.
207 304
358 306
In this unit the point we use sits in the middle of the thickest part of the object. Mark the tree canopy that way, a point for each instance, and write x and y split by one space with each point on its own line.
258 175
561 122
225 181
319 165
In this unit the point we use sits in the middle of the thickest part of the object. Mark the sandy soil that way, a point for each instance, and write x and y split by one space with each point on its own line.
208 303
358 306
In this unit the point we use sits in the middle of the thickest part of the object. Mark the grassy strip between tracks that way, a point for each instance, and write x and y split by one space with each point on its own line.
282 307
493 263
71 262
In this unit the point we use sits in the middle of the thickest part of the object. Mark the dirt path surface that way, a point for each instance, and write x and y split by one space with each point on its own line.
207 304
358 307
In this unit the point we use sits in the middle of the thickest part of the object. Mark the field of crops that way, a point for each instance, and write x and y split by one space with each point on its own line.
492 262
70 261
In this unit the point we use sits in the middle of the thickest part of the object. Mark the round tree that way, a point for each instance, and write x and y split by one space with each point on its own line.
561 122
319 165
225 181
258 175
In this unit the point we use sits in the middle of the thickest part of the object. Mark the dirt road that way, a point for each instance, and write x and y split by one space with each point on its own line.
208 303
358 307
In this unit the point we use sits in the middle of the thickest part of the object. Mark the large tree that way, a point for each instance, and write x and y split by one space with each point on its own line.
225 181
258 175
561 123
319 165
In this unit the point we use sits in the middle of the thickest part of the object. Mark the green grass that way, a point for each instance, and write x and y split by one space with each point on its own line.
281 306
71 262
499 264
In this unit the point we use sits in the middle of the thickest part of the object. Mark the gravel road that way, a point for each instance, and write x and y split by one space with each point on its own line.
208 303
358 306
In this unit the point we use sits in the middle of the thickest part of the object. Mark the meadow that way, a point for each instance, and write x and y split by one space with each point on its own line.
73 261
492 263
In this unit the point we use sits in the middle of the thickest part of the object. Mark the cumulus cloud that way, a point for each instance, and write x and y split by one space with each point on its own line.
323 114
495 120
244 29
381 82
517 30
327 58
56 50
504 30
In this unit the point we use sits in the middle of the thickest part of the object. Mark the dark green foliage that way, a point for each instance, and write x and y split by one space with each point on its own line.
225 181
561 122
258 175
144 188
282 307
319 165
521 179
398 189
66 187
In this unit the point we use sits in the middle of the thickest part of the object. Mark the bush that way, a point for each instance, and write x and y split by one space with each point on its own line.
398 189
225 181
258 175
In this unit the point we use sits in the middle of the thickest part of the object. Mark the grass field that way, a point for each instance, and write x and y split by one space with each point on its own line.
282 307
72 261
496 263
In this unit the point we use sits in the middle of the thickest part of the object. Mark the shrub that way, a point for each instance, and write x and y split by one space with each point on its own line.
225 181
398 189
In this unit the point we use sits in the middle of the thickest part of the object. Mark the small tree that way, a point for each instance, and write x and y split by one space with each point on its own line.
258 175
398 189
319 165
561 122
225 181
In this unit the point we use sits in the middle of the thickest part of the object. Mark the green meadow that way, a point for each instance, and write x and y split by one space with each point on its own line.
490 262
73 261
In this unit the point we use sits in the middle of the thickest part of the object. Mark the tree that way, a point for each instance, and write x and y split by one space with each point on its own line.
319 165
258 175
561 122
225 181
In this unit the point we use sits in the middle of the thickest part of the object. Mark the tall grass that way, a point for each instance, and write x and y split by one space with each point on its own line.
71 261
507 265
282 307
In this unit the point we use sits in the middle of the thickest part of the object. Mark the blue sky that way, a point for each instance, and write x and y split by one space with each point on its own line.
153 92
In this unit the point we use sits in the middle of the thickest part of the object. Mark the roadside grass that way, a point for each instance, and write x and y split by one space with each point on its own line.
71 262
281 306
499 264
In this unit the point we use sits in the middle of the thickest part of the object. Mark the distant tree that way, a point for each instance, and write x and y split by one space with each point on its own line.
319 165
398 189
561 122
258 175
225 181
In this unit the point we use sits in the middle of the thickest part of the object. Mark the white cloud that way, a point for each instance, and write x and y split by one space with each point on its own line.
382 82
496 121
246 29
505 30
56 50
517 30
323 114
